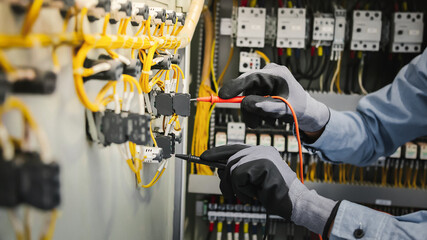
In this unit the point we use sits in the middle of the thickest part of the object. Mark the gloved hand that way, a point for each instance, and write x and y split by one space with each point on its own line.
275 80
259 172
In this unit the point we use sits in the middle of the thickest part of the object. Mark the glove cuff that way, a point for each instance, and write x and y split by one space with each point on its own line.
308 208
316 116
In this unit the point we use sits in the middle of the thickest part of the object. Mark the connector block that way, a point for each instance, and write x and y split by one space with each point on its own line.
114 68
164 104
167 144
113 127
251 27
158 15
137 128
181 104
140 13
34 82
291 28
9 185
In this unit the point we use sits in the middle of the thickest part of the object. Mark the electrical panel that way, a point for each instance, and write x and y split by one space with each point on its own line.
323 29
339 33
366 33
249 62
251 27
291 27
407 32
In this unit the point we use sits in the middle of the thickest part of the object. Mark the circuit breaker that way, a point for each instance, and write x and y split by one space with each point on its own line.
407 33
366 33
291 27
323 29
251 27
249 61
339 30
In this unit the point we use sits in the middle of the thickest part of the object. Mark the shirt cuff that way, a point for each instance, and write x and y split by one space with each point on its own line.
328 134
354 221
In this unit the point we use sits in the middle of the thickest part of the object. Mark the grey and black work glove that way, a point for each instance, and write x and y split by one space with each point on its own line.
260 173
275 80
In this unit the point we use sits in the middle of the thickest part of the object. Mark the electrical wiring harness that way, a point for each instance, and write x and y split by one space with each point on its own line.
137 64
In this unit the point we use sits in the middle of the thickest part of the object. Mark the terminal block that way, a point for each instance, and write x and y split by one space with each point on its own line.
120 9
39 182
158 15
291 28
170 17
9 185
163 62
133 69
34 81
181 104
220 139
166 143
407 32
251 139
366 33
181 19
339 33
114 127
114 72
140 13
323 29
5 87
164 104
99 11
279 142
251 27
137 128
249 62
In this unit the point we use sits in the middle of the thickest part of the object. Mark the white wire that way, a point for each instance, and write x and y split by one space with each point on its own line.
7 146
147 101
334 78
360 76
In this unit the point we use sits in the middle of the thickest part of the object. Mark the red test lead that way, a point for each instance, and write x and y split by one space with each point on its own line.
215 99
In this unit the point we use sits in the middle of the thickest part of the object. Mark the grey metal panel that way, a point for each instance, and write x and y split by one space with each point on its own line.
99 196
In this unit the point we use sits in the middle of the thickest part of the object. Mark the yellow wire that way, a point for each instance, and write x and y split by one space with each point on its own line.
212 67
4 63
106 20
51 227
152 135
31 16
263 56
252 3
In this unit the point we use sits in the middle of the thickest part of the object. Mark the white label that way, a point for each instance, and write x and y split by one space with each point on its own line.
279 143
292 144
414 32
328 29
251 139
265 140
423 151
383 202
397 153
411 151
220 139
296 28
372 30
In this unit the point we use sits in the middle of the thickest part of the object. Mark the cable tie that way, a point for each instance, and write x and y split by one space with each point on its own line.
79 71
102 67
147 72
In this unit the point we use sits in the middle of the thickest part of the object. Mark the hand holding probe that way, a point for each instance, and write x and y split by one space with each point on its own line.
195 159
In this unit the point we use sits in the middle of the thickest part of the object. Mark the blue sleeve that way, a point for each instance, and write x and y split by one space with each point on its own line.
371 224
383 121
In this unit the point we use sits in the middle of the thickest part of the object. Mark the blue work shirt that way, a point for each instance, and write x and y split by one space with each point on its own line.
383 121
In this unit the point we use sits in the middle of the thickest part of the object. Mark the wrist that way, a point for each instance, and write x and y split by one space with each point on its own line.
308 208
